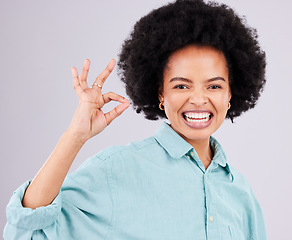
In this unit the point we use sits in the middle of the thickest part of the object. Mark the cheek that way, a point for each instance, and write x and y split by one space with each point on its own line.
173 102
221 101
172 105
226 98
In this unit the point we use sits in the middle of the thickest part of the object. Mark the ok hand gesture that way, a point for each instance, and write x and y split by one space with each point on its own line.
89 119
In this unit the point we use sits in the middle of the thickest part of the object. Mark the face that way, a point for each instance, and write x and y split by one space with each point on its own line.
196 92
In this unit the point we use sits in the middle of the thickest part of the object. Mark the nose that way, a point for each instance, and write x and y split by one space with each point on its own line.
198 97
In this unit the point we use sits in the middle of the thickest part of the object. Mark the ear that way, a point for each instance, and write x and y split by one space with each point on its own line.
160 94
230 95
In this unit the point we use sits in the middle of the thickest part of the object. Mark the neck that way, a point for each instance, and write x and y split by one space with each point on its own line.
204 151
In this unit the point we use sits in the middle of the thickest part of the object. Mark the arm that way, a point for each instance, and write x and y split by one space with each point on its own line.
89 120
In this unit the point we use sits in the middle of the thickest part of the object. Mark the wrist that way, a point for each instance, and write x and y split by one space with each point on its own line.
74 138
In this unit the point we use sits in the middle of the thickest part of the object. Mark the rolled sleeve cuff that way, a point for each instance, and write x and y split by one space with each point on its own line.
31 219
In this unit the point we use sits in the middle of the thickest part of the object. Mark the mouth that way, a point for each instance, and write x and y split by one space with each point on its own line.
197 119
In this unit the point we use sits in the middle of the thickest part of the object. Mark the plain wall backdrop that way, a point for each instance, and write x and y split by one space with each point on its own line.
40 42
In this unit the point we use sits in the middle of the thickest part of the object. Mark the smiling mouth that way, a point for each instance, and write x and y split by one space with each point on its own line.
195 117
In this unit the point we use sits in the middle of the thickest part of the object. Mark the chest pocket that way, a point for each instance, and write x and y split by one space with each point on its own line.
232 233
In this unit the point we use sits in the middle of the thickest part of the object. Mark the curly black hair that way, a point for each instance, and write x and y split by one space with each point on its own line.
157 35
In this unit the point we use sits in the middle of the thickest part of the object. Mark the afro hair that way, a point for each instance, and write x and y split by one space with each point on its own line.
157 35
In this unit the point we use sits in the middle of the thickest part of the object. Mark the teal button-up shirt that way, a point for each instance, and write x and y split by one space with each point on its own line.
154 189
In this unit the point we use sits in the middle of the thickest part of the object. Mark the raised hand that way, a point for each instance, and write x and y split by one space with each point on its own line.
89 118
88 121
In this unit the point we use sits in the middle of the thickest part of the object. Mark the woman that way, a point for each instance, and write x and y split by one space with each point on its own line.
194 64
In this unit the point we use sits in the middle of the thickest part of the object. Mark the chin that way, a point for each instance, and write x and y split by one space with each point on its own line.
193 134
197 137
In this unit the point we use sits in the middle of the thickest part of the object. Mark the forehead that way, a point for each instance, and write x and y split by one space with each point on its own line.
197 60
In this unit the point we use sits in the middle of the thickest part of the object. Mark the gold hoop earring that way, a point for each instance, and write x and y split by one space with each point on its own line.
161 107
229 105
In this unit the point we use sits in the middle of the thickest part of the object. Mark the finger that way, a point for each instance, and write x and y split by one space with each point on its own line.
96 85
117 111
105 73
113 97
76 83
84 73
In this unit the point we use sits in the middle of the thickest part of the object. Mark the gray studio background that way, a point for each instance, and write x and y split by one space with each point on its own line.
41 40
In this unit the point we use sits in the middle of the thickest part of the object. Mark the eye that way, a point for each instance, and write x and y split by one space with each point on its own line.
214 87
180 86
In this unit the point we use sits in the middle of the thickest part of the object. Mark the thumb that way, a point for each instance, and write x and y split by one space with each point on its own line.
117 111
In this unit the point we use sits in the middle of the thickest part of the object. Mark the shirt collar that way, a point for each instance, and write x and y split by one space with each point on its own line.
219 156
172 142
177 147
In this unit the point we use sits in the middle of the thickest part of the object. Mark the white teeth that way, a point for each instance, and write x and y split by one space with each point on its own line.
197 117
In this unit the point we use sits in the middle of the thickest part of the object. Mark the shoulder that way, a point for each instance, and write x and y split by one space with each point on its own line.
97 167
121 151
238 176
240 180
136 147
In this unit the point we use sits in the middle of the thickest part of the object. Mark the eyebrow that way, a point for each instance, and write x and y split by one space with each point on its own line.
190 81
180 79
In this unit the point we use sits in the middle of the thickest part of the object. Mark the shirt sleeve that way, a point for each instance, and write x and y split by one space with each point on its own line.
84 203
22 222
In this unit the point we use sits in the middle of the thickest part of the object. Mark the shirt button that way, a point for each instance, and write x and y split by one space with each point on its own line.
211 219
188 157
192 153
